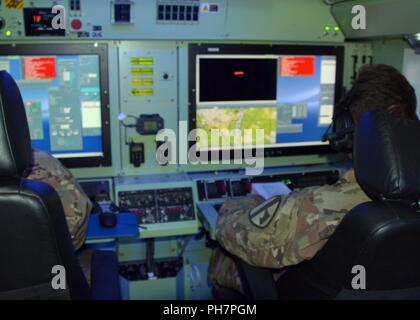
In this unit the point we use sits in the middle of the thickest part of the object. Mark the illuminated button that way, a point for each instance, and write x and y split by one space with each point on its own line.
247 185
8 33
222 187
76 24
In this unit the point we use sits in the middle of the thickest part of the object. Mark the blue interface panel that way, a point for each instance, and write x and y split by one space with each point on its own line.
62 99
292 99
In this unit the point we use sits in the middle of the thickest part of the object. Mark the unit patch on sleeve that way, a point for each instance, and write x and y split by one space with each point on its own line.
262 215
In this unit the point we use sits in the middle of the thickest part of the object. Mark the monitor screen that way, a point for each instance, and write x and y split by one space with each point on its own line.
64 102
230 79
38 22
288 91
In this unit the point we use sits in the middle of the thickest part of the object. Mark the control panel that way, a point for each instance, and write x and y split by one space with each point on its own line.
164 268
148 66
159 206
236 186
212 192
166 19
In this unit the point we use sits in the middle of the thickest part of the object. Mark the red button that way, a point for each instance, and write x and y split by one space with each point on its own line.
247 186
222 187
76 24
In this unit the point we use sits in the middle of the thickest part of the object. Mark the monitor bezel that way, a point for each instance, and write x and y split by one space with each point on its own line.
77 49
195 49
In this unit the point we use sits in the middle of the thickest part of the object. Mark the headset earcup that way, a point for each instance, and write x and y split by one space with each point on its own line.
345 143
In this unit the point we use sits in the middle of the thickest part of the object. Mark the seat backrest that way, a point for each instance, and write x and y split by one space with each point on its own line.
380 236
33 232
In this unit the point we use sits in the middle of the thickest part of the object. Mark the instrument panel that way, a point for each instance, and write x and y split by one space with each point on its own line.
158 206
165 19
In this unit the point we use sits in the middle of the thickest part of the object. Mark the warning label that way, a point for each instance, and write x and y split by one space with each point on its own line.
137 92
142 82
14 4
142 71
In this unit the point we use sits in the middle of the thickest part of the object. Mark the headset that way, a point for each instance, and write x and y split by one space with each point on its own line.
341 139
343 125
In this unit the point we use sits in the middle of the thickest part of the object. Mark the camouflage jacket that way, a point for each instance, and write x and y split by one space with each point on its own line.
284 231
75 202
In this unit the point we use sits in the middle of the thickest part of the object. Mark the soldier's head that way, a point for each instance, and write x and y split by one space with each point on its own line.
381 87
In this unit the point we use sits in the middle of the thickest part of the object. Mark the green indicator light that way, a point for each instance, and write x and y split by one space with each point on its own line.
327 28
336 29
287 181
8 33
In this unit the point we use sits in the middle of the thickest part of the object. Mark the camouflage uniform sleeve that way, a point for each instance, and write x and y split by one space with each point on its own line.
76 204
285 231
222 270
254 244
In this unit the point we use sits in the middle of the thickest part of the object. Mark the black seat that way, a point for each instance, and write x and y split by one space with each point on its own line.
381 236
33 231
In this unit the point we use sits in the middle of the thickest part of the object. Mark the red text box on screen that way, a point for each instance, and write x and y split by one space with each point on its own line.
297 66
42 68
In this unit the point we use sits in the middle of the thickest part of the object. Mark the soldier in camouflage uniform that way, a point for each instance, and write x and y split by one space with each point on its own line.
76 204
282 231
285 231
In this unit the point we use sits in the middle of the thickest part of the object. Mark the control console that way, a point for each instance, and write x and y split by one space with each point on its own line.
227 187
158 206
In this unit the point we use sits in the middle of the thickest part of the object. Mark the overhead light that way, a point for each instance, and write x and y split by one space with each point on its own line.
414 41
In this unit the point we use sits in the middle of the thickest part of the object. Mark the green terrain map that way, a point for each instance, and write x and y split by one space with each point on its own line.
226 119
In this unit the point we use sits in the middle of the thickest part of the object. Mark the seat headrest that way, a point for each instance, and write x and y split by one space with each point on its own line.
387 156
15 142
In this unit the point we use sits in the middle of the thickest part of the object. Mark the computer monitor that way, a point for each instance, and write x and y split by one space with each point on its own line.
289 91
65 92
